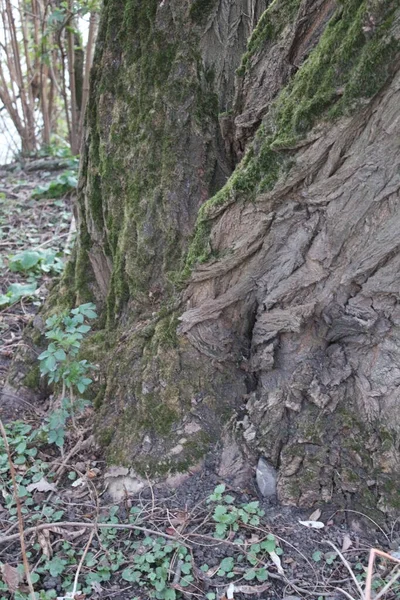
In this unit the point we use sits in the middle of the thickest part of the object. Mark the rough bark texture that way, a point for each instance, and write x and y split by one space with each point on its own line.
289 314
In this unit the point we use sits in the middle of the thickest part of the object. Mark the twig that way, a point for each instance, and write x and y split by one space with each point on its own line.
348 567
357 512
368 584
388 585
74 589
20 534
42 526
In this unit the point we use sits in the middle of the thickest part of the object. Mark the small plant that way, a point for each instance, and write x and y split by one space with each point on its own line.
16 291
36 262
61 365
57 188
226 514
151 566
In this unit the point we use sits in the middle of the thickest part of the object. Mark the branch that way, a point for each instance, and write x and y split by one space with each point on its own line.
19 535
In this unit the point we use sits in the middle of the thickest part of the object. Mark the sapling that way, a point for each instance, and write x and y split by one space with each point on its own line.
61 365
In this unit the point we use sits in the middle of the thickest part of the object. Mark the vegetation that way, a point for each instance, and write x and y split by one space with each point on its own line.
59 362
44 70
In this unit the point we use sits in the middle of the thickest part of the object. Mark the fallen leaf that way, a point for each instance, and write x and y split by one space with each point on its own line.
252 589
277 562
11 577
315 515
347 543
69 535
91 474
41 486
211 572
312 524
79 482
44 541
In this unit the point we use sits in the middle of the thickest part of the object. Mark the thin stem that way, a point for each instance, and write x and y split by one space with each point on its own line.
20 535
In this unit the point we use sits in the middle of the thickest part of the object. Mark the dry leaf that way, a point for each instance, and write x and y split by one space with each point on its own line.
347 543
252 589
11 577
211 572
91 474
315 515
44 541
312 524
69 535
41 486
79 482
277 562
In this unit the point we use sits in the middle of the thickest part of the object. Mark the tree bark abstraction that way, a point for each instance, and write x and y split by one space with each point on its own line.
239 223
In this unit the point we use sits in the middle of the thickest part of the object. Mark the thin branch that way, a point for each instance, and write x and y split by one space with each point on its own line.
20 534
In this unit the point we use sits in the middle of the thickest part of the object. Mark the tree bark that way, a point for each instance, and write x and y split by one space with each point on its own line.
267 297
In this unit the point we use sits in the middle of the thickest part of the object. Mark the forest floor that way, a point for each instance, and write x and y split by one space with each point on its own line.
200 538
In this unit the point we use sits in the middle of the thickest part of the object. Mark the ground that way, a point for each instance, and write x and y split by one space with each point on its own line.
262 549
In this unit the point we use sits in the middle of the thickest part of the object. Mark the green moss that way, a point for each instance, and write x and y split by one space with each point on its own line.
275 18
200 10
165 333
105 437
156 416
257 173
32 378
344 68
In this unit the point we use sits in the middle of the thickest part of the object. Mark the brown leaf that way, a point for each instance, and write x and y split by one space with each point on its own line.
69 535
252 589
347 543
11 577
44 541
315 515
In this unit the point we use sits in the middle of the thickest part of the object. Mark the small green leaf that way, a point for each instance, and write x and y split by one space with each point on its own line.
170 594
317 556
220 489
186 568
227 564
250 575
219 511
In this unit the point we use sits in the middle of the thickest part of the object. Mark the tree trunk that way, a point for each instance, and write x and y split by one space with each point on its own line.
266 300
